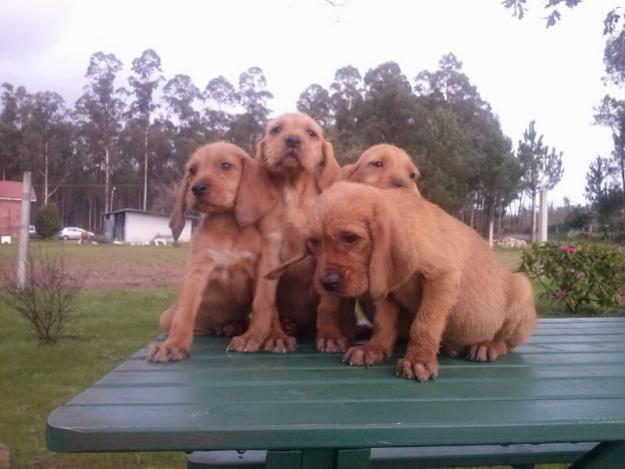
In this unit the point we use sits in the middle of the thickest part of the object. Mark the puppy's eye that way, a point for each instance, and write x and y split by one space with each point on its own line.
275 130
312 245
349 238
192 171
226 166
312 133
377 163
412 175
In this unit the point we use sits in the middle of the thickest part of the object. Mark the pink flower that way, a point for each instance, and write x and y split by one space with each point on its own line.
568 249
580 277
559 294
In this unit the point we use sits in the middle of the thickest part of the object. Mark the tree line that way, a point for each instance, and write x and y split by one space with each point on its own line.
125 146
605 177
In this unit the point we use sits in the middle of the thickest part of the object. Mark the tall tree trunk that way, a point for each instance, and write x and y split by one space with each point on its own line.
107 169
533 233
46 193
145 170
623 177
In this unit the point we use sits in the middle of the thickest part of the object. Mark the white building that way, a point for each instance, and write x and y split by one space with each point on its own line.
138 227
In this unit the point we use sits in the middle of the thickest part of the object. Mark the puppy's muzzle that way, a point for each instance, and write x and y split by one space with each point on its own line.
199 189
330 280
292 142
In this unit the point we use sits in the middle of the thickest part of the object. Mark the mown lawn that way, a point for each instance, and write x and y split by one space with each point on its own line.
110 324
35 379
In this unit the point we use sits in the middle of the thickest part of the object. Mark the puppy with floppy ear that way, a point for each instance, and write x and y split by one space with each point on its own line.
232 192
301 164
401 250
384 166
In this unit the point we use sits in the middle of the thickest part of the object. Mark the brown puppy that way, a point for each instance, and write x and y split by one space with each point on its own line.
384 166
390 244
301 164
232 191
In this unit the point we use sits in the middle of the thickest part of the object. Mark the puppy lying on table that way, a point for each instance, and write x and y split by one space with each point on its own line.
403 251
232 191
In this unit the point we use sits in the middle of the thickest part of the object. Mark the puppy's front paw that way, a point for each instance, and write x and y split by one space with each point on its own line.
331 344
421 370
367 355
167 352
245 343
280 343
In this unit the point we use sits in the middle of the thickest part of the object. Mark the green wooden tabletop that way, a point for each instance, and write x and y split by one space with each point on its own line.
566 385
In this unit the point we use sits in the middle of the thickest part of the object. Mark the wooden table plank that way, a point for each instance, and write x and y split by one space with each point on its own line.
566 385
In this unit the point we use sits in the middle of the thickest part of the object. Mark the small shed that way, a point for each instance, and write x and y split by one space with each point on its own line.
11 207
134 226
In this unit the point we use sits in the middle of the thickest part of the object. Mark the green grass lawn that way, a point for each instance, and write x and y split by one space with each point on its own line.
110 324
35 379
104 254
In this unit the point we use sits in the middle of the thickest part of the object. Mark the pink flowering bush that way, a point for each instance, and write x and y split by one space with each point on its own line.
575 276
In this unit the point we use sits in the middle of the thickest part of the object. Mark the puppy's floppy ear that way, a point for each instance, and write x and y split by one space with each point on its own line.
176 220
347 171
329 169
260 150
389 264
256 195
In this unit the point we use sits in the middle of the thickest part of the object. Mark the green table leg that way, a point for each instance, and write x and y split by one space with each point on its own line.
604 456
318 459
353 459
284 460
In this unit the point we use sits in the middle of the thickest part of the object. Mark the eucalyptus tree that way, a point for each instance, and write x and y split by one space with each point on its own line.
144 81
99 112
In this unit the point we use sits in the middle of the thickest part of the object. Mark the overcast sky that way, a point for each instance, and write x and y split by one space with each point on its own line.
522 69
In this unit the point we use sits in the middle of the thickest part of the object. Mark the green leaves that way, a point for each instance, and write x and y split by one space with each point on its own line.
577 276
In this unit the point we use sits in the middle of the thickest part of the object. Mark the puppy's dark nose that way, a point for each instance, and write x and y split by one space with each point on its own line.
292 141
199 189
330 280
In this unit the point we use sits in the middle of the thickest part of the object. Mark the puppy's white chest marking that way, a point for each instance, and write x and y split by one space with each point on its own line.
297 207
228 258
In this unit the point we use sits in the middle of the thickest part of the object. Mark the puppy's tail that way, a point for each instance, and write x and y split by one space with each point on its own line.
521 310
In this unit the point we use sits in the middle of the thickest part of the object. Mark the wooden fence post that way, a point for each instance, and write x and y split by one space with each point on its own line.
22 249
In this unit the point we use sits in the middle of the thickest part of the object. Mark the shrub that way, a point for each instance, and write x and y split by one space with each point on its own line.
48 222
581 275
47 299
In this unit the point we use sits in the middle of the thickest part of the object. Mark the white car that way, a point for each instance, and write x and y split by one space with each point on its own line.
73 232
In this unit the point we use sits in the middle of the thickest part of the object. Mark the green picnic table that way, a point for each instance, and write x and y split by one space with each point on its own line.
543 402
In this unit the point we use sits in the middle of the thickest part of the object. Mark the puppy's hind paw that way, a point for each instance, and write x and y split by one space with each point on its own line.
486 351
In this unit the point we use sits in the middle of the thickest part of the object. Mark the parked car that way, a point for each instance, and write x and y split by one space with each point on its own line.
73 232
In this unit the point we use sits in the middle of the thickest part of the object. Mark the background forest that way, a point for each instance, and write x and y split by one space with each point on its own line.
123 143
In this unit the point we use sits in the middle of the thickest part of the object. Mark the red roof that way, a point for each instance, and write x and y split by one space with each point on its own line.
12 190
